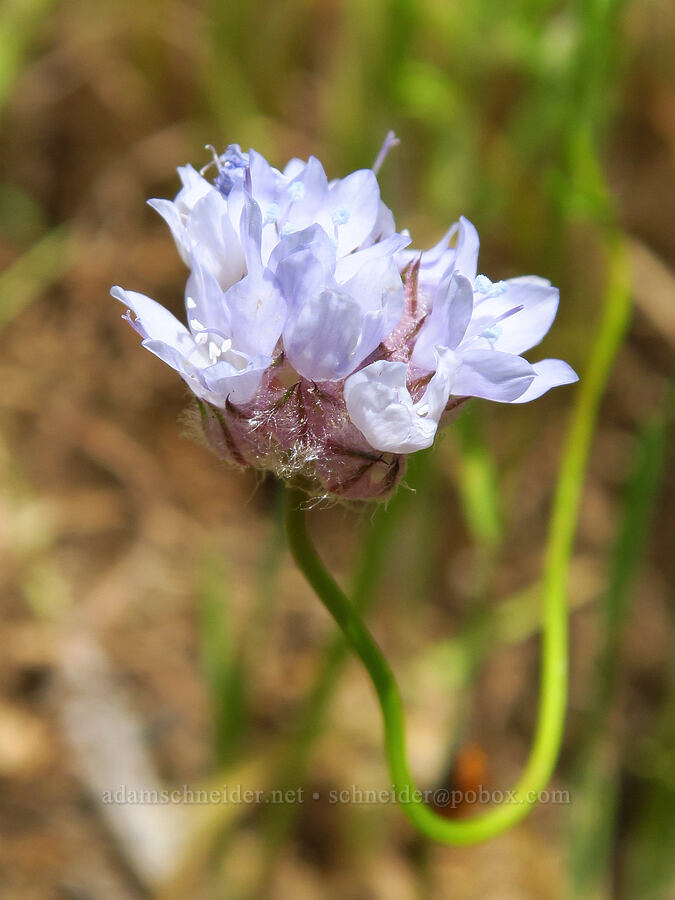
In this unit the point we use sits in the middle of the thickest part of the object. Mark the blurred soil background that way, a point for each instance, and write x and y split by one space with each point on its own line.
154 631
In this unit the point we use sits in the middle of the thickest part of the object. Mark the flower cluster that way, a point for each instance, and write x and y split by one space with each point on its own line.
318 344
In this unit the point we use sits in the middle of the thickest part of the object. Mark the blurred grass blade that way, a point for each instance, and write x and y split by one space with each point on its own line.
596 785
477 485
477 482
20 21
222 663
650 862
209 828
45 263
595 793
642 491
272 551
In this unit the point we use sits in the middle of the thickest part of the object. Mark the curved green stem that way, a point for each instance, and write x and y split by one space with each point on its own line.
279 816
553 695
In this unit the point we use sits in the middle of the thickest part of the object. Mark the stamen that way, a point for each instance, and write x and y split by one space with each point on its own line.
196 325
492 333
287 229
201 338
388 144
272 213
423 411
190 303
225 346
482 284
214 162
214 351
509 313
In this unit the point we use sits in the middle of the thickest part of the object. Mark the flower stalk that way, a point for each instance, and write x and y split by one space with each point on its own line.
554 666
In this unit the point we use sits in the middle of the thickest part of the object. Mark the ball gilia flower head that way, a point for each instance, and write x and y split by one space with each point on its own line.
318 344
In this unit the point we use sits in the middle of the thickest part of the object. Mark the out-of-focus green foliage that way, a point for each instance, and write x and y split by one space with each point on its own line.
222 660
596 784
477 481
37 269
20 22
493 101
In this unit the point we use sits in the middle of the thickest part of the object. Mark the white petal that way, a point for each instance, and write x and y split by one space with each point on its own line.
191 374
448 321
156 322
492 375
380 406
302 275
294 167
256 312
266 181
195 186
321 340
236 385
250 235
383 228
173 218
302 261
442 258
359 195
550 373
525 328
213 240
208 304
377 287
468 244
348 266
304 195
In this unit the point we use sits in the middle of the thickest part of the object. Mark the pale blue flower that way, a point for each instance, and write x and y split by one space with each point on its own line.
322 345
204 358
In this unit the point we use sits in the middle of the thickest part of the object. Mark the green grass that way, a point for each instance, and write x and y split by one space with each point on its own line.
222 662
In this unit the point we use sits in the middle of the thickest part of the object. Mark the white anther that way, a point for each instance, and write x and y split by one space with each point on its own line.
214 351
296 191
190 303
225 346
287 229
423 411
272 213
202 337
492 332
340 215
483 284
196 325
